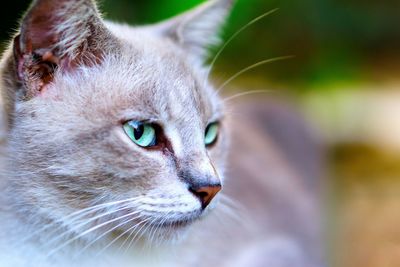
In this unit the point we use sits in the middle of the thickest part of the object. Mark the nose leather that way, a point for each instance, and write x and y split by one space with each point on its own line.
206 193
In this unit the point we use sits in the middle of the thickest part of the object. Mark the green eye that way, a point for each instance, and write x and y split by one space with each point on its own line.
142 134
211 134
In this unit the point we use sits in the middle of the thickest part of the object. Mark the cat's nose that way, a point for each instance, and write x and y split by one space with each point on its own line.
205 193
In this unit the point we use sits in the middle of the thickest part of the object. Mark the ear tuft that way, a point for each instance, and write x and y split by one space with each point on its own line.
57 35
63 25
198 29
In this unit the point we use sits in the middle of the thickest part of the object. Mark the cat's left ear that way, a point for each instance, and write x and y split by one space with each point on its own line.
197 29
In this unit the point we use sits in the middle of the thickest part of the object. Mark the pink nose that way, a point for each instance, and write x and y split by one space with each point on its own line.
206 193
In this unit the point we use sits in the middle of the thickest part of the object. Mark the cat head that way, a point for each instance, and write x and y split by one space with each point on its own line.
115 116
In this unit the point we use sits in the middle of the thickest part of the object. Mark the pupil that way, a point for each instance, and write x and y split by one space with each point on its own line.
138 132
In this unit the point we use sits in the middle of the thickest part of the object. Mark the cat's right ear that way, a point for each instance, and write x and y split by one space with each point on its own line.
196 30
57 35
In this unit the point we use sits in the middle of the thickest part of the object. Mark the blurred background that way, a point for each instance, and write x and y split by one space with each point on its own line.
344 76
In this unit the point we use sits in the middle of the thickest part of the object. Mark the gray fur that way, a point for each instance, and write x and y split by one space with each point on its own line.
66 147
65 151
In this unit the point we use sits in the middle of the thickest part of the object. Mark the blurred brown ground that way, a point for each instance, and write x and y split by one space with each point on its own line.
361 126
367 208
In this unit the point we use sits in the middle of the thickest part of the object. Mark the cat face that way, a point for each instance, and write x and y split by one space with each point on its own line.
116 118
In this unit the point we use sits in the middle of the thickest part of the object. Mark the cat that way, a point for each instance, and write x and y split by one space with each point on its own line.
115 149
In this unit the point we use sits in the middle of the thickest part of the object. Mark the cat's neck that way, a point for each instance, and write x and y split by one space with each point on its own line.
14 232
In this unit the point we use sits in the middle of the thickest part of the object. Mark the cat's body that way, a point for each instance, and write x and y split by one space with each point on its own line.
68 89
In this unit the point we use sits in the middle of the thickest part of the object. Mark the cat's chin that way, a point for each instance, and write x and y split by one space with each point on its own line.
158 229
165 234
179 225
172 233
175 232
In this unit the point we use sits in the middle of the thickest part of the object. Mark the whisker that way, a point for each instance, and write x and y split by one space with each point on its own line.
130 229
87 232
107 232
234 215
263 62
237 114
170 229
77 214
148 229
150 239
234 36
132 232
237 212
225 231
231 202
230 98
157 226
102 205
139 233
78 226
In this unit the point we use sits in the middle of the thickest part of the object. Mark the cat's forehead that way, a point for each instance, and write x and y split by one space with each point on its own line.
166 84
148 84
165 76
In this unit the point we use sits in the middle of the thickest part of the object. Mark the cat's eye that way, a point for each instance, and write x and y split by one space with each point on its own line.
142 134
211 135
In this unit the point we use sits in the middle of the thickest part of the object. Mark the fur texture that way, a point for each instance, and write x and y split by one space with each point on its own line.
77 79
75 188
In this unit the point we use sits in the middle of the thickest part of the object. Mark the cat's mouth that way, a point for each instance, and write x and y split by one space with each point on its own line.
177 223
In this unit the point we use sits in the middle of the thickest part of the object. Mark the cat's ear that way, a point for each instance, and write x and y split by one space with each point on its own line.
197 29
57 35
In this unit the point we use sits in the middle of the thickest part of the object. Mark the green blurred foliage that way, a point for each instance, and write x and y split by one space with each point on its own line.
333 41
